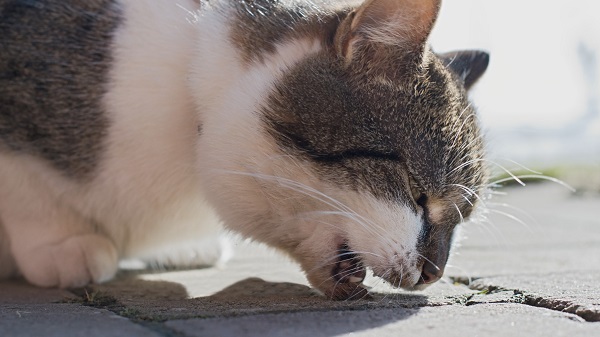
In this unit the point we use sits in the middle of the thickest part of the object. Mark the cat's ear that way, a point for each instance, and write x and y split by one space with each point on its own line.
403 23
469 65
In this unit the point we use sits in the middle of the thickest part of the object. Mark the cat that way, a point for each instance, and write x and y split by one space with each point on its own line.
329 130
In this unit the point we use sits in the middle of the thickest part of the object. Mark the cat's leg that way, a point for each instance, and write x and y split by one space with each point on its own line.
51 244
193 236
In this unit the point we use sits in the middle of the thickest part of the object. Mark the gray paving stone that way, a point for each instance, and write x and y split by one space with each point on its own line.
63 319
29 311
553 262
568 292
514 261
558 229
448 321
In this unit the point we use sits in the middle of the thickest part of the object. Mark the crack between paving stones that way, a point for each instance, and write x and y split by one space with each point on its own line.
95 299
157 323
587 314
520 297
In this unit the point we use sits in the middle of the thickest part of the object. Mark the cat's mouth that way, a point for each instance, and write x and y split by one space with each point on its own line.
349 267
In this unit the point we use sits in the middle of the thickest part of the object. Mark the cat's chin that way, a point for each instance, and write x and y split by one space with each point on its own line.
338 272
341 278
349 267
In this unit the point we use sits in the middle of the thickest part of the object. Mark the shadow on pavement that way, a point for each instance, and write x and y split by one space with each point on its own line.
252 303
159 301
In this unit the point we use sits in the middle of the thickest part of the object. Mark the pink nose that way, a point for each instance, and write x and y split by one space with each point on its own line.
430 273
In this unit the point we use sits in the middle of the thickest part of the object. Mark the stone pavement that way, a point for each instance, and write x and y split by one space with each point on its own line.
532 271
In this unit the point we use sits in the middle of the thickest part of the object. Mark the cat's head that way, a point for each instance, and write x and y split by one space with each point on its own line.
364 153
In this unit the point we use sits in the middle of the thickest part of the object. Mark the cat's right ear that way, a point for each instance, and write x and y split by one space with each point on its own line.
403 23
469 65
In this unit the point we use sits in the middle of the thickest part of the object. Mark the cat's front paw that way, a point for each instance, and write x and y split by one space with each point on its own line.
73 262
213 251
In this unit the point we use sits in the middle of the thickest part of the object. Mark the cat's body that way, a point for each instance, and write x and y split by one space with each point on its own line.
122 121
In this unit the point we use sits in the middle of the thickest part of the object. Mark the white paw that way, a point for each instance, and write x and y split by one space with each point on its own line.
205 253
74 262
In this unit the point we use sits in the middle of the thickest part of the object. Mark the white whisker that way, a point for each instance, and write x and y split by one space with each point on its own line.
534 176
462 219
522 166
529 217
512 217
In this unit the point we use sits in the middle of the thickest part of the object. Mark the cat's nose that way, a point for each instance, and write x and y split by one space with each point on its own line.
430 273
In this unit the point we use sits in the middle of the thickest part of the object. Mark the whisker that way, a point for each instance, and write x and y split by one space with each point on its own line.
316 195
467 163
462 219
471 192
522 166
337 256
341 275
496 192
523 212
534 176
349 216
382 280
467 200
491 230
428 260
298 187
514 218
491 162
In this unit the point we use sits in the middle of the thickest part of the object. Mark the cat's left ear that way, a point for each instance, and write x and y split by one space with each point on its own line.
377 23
469 65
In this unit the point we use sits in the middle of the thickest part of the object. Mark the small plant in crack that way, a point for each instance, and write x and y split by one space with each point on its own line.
95 298
130 313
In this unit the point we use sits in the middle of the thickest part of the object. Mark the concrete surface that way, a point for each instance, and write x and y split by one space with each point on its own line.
537 276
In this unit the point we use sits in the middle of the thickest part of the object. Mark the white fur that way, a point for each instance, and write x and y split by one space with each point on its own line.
147 199
52 243
154 130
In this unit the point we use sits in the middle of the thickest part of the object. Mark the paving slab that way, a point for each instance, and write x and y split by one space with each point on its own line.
62 320
542 229
448 321
30 311
577 294
549 257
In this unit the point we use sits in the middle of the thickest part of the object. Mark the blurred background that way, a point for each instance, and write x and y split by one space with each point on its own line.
539 101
